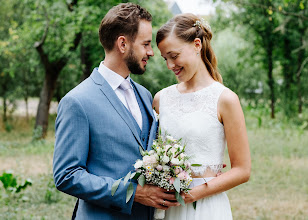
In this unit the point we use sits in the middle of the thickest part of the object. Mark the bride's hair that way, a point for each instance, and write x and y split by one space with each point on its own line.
188 27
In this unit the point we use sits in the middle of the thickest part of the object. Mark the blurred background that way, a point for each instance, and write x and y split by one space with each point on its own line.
47 47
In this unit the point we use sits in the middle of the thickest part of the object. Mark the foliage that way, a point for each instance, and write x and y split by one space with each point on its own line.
9 182
274 60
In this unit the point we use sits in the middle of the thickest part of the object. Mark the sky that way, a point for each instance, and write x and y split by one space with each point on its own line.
199 7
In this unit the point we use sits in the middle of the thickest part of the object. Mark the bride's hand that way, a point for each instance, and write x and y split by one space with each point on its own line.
188 197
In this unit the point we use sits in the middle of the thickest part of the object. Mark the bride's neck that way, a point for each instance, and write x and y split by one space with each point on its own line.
200 80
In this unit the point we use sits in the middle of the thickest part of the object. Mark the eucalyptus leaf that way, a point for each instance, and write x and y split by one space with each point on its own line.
115 186
129 192
132 175
127 177
195 205
141 150
141 180
177 185
136 176
179 198
196 165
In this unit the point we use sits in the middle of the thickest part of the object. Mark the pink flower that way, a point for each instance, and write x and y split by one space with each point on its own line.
171 180
159 167
178 170
149 160
183 175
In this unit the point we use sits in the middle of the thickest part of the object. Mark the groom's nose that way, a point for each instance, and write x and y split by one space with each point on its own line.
150 52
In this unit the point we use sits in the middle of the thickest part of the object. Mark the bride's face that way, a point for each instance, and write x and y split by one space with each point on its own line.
181 57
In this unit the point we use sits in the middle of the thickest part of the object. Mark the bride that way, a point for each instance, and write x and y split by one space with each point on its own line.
205 115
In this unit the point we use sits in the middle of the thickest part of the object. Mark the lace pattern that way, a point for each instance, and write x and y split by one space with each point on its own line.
192 117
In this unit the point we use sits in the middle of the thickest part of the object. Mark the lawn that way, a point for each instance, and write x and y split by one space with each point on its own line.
277 189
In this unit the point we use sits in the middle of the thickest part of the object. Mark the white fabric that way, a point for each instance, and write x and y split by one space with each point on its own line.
131 100
216 207
114 80
192 117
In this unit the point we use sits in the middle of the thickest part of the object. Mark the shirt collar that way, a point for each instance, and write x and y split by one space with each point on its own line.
111 77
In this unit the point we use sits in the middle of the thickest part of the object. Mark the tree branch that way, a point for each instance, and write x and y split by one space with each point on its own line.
302 67
39 44
273 9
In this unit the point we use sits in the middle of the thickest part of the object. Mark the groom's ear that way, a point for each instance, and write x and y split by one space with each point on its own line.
121 44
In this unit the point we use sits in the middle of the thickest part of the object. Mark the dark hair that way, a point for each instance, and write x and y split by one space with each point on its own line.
122 19
188 27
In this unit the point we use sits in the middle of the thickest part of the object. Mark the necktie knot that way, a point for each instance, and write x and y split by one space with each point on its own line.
125 85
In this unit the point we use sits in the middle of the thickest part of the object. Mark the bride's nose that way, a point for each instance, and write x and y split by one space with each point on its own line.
170 64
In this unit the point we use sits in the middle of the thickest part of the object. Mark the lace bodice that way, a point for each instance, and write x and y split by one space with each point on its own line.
193 118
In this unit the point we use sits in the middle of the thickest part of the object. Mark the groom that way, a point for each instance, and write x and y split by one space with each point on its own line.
102 122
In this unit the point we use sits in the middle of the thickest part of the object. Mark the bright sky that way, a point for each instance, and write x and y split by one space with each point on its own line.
199 7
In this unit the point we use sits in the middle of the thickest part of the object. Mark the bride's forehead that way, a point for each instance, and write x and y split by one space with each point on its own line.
171 42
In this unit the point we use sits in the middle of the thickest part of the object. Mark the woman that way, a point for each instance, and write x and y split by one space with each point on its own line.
205 114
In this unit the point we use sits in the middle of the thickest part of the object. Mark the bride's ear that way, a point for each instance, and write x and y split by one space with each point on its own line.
197 45
121 44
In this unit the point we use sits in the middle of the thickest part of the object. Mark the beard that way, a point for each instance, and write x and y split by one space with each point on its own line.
132 63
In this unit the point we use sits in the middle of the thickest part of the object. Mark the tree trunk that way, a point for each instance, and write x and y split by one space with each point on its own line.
27 108
86 62
46 95
270 77
300 62
4 110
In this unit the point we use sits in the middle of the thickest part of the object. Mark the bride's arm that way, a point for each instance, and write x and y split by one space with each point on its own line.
231 115
156 102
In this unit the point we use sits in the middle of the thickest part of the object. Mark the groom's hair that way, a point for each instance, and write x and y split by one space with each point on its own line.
122 19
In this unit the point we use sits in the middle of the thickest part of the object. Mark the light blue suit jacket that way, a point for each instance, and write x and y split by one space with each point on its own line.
96 144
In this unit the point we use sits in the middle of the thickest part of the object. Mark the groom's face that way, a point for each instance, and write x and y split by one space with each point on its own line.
140 50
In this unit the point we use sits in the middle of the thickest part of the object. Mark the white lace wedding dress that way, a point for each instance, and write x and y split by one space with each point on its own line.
193 117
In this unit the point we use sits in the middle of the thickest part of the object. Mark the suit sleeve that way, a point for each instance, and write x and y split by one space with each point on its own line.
70 161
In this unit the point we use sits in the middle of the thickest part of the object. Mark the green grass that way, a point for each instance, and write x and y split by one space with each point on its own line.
277 189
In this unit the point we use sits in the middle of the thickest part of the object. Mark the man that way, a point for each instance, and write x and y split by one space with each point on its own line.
101 124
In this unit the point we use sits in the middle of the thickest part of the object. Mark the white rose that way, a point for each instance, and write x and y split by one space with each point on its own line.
166 168
165 159
175 161
151 152
170 138
138 164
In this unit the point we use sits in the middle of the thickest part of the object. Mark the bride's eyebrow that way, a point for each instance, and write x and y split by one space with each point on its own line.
178 51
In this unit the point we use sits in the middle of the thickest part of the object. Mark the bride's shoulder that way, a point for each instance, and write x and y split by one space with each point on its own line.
158 95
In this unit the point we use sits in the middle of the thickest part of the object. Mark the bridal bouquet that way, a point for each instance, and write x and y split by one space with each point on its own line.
165 166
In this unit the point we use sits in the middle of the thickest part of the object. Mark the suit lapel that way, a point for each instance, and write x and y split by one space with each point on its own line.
144 97
148 105
115 102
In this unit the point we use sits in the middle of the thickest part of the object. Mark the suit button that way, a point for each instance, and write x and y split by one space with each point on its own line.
143 139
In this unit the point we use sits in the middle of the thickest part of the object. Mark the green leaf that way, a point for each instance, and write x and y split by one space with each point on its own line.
127 177
195 205
141 180
141 150
196 165
115 186
179 198
129 192
136 175
177 185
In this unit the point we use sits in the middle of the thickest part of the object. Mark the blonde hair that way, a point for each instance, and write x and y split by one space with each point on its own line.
188 27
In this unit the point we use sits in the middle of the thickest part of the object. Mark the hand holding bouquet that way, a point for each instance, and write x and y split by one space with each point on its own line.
165 166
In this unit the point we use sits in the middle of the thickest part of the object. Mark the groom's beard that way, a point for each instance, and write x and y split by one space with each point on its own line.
133 64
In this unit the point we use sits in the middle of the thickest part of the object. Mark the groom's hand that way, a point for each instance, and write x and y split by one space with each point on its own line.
156 197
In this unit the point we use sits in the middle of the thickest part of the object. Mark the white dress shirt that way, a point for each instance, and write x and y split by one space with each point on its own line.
115 80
